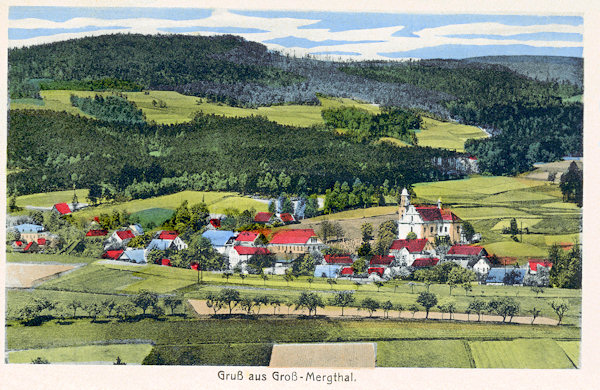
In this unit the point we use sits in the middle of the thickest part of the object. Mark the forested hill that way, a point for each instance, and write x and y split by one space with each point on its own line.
539 117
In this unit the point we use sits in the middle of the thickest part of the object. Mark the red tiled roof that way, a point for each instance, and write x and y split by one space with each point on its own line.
263 217
247 236
473 158
62 208
251 250
168 235
465 250
533 264
347 271
96 232
194 266
286 217
413 246
28 246
293 236
381 260
97 219
112 254
41 241
507 260
166 262
125 234
215 223
425 262
433 213
338 259
18 243
378 270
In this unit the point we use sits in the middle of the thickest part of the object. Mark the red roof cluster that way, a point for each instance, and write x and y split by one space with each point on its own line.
41 241
381 260
465 250
533 264
377 270
286 217
293 236
347 271
263 217
125 234
168 235
112 254
413 246
166 262
425 262
96 232
433 213
338 259
247 236
251 250
216 223
62 208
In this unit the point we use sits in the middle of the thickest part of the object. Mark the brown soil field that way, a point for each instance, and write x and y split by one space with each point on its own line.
558 167
351 226
27 275
350 312
333 355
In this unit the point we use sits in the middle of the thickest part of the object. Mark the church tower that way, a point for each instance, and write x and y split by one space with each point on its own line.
404 203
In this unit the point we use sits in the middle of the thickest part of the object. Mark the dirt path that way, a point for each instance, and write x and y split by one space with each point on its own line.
21 275
349 312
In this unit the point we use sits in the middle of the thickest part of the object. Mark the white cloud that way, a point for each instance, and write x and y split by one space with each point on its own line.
496 29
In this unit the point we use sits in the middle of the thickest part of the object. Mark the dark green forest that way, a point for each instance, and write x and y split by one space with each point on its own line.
111 108
56 150
362 125
529 118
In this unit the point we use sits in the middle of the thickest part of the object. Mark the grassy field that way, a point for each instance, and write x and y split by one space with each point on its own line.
572 350
48 199
12 257
180 108
129 353
216 202
422 353
519 353
447 135
155 216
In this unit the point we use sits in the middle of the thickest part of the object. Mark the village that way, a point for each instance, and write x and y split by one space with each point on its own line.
425 237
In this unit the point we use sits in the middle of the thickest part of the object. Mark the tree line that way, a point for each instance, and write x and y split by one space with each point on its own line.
113 108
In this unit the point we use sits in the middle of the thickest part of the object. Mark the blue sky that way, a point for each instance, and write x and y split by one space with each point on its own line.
331 34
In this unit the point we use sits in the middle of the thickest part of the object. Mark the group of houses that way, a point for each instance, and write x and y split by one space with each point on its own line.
425 225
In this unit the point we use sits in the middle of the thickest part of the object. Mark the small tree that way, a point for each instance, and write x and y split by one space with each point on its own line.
477 306
93 310
331 282
260 301
560 307
144 300
412 287
343 299
310 281
367 231
74 305
399 308
172 303
288 278
537 290
468 287
275 302
357 284
124 310
213 302
119 362
387 306
247 304
226 275
264 278
289 304
109 305
158 310
242 277
40 360
451 309
413 309
427 300
230 298
310 301
370 305
379 285
535 312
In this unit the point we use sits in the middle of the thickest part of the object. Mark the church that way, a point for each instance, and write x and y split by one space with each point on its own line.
427 221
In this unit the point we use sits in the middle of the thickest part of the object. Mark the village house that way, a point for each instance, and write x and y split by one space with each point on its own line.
286 218
425 262
265 218
62 208
379 264
213 224
406 251
533 265
119 239
113 254
246 238
134 256
482 268
466 256
328 270
506 276
427 222
241 254
295 241
167 240
221 240
96 233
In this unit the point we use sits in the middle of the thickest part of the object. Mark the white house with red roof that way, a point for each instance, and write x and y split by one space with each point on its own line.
62 208
406 251
338 259
120 238
535 263
166 239
286 218
265 218
295 241
467 256
246 238
427 222
241 254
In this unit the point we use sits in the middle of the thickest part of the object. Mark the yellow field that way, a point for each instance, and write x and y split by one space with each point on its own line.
447 135
48 199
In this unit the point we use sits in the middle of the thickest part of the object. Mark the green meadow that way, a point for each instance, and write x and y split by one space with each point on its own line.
48 199
447 135
128 353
